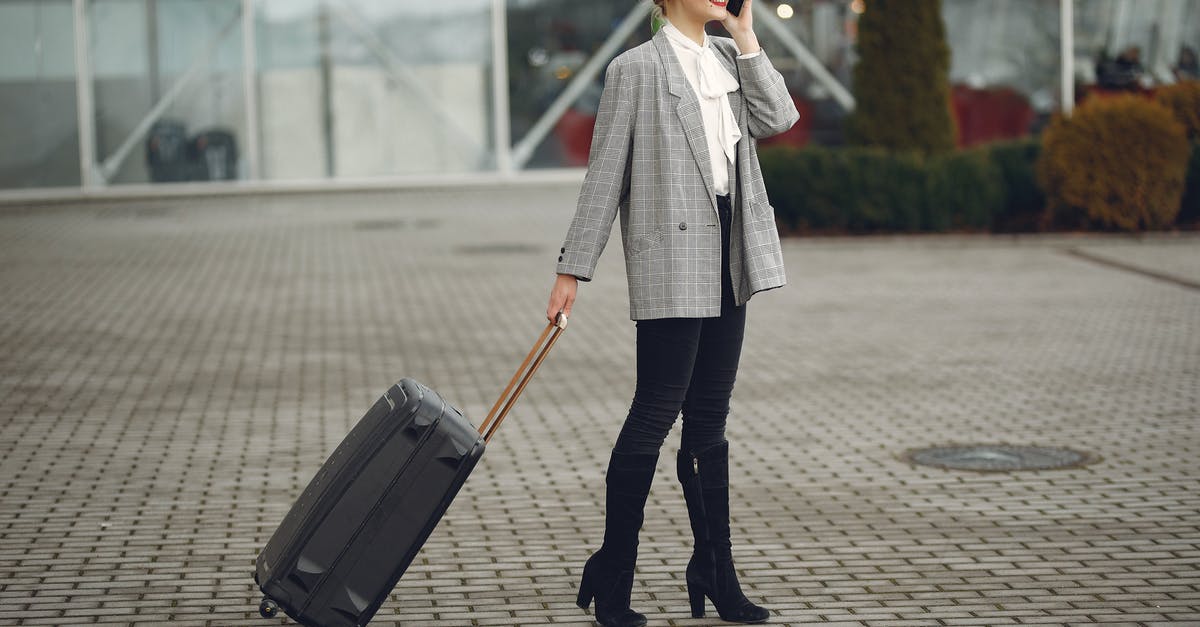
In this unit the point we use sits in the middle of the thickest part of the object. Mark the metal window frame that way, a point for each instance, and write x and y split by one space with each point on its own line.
84 96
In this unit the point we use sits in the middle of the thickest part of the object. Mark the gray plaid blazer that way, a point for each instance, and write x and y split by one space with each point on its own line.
649 164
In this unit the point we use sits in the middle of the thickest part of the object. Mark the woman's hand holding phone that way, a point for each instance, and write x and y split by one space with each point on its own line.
741 26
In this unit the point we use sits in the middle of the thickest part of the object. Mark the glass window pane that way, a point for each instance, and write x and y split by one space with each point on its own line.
1134 46
549 41
1005 64
362 88
186 56
826 30
39 140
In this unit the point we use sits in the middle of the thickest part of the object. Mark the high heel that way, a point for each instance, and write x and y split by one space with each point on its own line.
696 599
612 595
719 585
585 591
710 572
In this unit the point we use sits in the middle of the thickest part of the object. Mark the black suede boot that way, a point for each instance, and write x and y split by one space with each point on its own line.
710 573
608 573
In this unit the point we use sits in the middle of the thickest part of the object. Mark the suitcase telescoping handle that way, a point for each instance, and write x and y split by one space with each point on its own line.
521 378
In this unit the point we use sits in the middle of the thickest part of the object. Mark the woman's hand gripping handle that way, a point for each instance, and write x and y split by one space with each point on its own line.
562 296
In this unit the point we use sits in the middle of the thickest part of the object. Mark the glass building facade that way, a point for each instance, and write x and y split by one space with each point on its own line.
109 93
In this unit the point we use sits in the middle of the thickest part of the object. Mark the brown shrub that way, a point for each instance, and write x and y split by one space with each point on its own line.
1116 162
1183 99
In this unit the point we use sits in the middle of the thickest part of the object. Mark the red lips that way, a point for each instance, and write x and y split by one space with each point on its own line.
717 4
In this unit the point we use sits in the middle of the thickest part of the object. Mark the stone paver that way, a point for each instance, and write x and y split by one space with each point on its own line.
172 372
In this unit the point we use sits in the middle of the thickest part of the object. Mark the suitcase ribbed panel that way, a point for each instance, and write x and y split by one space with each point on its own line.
363 518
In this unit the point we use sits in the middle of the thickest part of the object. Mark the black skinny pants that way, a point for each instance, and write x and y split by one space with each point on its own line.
688 365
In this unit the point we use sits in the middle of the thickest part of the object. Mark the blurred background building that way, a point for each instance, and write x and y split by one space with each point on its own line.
111 93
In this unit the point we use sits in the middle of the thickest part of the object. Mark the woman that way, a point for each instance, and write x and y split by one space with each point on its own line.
673 154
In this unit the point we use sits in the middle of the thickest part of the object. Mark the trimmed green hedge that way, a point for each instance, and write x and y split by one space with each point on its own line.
859 189
963 190
867 190
1024 201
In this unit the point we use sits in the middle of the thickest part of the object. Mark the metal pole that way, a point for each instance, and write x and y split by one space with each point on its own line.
1067 37
1171 19
523 151
1121 25
250 87
152 50
502 133
324 34
806 58
84 103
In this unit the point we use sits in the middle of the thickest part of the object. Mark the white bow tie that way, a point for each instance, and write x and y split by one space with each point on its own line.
715 81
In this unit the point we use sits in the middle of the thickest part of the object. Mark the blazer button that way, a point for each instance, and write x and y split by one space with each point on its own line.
683 226
560 258
562 250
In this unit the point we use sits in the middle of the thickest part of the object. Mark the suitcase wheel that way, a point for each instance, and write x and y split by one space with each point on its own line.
268 608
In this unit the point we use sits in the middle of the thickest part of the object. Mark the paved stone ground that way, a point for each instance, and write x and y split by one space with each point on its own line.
173 372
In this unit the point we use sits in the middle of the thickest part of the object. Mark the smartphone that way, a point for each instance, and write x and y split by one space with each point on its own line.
734 7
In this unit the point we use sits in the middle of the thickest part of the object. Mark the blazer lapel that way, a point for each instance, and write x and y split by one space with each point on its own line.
687 107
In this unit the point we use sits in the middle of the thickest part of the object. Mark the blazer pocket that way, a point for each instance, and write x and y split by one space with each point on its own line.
762 209
640 244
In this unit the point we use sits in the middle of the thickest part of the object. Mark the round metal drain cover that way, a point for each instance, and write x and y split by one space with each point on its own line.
998 457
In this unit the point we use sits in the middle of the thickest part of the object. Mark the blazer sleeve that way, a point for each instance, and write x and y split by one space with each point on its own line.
770 107
606 184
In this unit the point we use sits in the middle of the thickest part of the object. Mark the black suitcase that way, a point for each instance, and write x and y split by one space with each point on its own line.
358 525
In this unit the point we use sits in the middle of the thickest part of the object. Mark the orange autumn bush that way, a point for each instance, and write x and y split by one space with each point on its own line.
1183 99
1115 163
